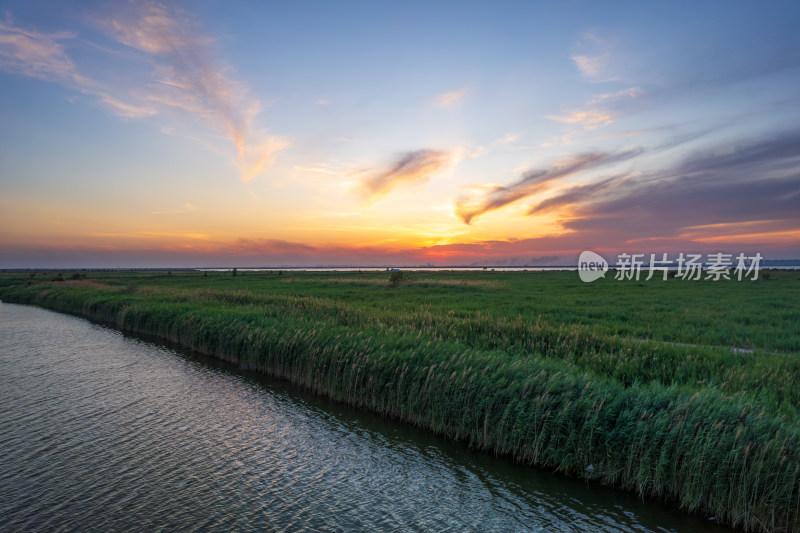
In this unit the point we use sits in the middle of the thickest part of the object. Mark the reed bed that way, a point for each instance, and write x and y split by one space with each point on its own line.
706 429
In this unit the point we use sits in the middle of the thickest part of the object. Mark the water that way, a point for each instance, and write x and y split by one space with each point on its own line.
103 432
450 269
385 269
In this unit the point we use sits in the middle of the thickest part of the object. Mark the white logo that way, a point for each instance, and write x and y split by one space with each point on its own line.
591 266
718 266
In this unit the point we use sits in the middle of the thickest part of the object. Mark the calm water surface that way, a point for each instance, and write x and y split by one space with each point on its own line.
103 432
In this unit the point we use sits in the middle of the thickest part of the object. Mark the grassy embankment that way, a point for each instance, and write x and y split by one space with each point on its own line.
632 384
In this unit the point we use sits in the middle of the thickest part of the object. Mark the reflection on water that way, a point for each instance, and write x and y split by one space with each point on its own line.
100 432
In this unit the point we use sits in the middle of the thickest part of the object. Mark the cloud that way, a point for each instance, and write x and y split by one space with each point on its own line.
269 246
535 181
595 62
782 151
35 54
283 252
600 111
575 195
506 139
592 67
450 98
410 167
254 159
38 55
667 210
187 78
733 199
629 93
535 251
125 109
184 80
588 118
752 230
479 151
723 188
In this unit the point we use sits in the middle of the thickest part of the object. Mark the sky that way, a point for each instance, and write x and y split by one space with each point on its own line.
257 133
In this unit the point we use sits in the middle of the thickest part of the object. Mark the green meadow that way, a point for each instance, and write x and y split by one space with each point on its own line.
683 391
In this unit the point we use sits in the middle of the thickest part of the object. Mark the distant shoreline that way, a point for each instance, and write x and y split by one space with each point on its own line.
768 264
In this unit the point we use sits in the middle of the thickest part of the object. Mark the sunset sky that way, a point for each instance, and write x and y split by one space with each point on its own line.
147 134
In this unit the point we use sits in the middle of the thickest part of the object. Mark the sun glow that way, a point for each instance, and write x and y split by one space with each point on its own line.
194 135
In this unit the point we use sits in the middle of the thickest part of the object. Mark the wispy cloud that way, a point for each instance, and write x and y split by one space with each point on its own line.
576 195
707 194
125 109
41 55
479 151
535 181
270 246
185 80
505 139
450 98
414 166
600 110
630 92
588 118
592 67
780 152
329 168
743 196
595 61
35 54
254 159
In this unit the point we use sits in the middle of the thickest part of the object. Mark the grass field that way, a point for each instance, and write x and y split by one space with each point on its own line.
633 384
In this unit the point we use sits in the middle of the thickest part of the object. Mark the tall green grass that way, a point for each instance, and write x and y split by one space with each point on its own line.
701 427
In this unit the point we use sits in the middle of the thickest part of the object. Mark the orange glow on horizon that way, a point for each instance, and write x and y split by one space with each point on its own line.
775 237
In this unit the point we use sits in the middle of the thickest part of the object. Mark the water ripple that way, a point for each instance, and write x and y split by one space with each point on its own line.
101 432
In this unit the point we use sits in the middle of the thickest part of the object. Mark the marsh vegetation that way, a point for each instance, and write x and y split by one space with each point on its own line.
635 385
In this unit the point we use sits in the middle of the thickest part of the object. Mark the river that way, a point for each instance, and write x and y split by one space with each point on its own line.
100 431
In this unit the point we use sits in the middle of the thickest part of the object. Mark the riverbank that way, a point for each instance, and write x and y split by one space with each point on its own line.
709 430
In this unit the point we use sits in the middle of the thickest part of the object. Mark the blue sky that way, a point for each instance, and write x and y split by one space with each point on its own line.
266 133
